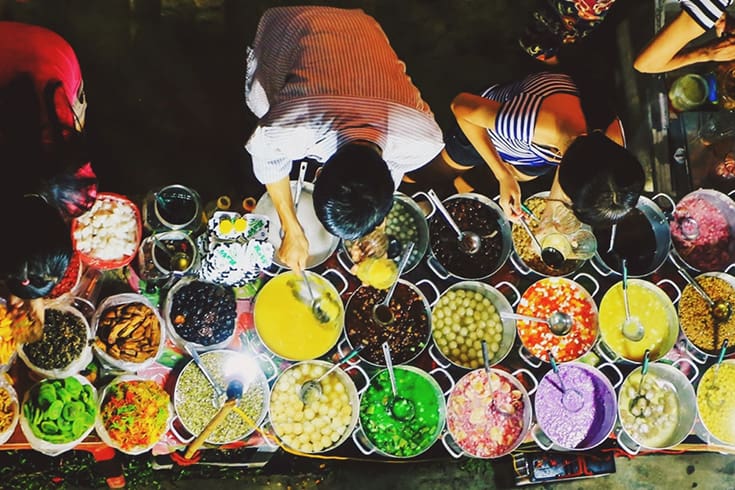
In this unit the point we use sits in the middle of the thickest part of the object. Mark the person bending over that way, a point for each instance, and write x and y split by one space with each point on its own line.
535 126
668 50
327 85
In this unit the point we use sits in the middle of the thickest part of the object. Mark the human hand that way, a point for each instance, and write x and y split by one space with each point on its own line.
725 25
722 49
510 198
294 250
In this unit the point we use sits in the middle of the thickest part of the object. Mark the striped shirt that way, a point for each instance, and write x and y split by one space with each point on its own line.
515 121
705 12
320 77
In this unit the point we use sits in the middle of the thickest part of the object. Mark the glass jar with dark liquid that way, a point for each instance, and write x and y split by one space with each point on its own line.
174 207
634 240
164 254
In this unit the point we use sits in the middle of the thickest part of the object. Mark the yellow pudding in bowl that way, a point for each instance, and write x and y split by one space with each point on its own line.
652 308
286 322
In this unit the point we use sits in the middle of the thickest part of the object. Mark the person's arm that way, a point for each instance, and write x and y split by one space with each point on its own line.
294 250
474 115
667 51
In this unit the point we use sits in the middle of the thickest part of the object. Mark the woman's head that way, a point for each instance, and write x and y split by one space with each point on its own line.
354 191
38 251
603 179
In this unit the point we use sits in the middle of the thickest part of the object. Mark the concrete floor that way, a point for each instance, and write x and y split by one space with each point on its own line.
164 81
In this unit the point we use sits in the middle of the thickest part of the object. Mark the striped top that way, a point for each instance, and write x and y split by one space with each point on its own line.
705 12
515 122
320 77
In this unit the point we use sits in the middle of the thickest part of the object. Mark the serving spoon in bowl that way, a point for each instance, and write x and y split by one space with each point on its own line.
469 241
721 309
549 255
382 312
560 323
632 329
400 407
311 389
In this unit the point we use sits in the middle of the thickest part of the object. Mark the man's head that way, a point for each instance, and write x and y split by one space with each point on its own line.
354 191
603 179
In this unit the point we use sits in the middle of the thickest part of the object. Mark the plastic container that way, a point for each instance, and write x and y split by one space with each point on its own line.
76 364
105 229
51 448
12 409
101 428
144 319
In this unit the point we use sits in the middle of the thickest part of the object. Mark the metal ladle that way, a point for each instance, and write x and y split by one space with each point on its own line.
316 306
469 241
721 309
218 393
488 373
571 398
719 401
639 402
312 388
382 312
632 329
559 323
402 408
549 255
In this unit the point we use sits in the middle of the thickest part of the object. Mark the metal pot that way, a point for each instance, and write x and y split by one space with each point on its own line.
652 427
525 257
488 420
339 394
649 304
716 405
407 335
579 416
321 243
458 331
448 259
406 222
703 230
705 335
285 321
382 432
642 237
194 395
541 300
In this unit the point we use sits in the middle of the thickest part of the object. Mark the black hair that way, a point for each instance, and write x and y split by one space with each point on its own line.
50 160
40 250
603 179
354 191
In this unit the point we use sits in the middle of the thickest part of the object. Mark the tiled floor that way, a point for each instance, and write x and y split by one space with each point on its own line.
166 106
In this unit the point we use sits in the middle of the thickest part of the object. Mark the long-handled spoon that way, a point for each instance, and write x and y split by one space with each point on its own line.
234 393
382 312
549 255
312 388
613 232
571 398
559 322
218 393
639 402
721 309
469 241
719 360
401 408
316 306
631 328
507 410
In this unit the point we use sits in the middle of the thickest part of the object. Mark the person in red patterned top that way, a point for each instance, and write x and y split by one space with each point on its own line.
327 85
42 113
